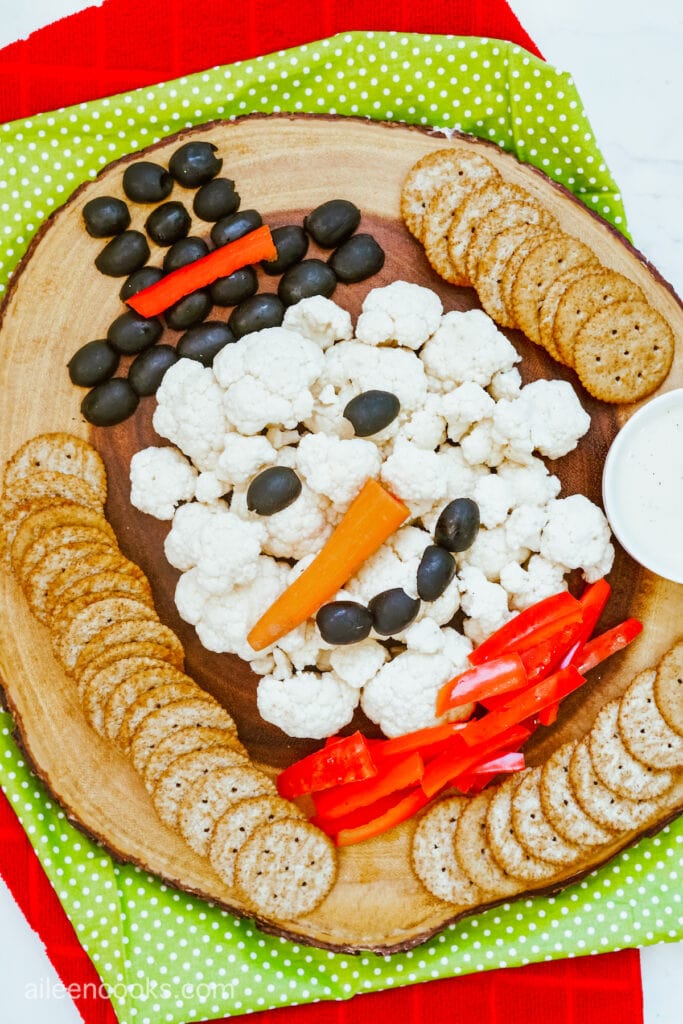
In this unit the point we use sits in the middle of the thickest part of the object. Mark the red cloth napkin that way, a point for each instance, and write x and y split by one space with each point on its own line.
126 44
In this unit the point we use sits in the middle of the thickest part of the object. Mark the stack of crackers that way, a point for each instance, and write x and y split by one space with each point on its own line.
128 669
546 824
479 230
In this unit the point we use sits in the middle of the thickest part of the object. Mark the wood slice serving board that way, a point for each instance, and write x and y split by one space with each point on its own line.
283 166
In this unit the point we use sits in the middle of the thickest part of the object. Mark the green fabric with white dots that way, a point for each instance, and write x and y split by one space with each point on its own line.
167 957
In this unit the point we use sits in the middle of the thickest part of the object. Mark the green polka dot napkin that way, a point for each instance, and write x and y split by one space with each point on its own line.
167 957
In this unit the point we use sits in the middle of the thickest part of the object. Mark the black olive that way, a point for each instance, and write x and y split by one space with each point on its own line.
131 333
216 199
105 216
332 222
146 371
145 182
236 287
458 525
205 341
194 164
168 223
291 243
343 622
371 411
435 572
94 362
139 279
125 253
272 490
262 310
392 611
229 229
310 277
188 311
357 259
109 403
187 250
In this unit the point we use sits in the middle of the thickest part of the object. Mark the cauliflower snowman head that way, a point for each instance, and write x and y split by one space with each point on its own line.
275 401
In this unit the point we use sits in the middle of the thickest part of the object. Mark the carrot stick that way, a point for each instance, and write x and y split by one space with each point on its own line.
252 248
372 516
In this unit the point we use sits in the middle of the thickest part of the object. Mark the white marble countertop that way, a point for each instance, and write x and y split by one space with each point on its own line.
625 58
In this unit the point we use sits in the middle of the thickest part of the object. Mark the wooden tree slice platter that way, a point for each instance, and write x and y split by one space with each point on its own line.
283 166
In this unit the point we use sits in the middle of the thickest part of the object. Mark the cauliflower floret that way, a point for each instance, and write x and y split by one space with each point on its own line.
402 696
456 647
409 542
227 618
494 497
481 445
540 579
229 548
412 474
524 525
160 478
337 468
491 551
320 320
531 484
356 664
546 416
459 477
426 428
209 487
466 405
267 377
243 456
307 705
351 367
303 645
404 313
384 570
444 608
182 546
425 637
485 603
190 412
190 597
282 438
466 347
505 384
577 535
301 528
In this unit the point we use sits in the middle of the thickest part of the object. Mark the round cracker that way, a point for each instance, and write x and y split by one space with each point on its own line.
61 536
456 167
505 846
285 869
147 691
210 797
548 308
532 828
478 205
92 618
524 249
237 824
183 741
474 854
585 296
76 575
116 652
511 213
615 767
623 352
645 733
195 712
62 453
100 686
172 785
493 265
600 803
38 524
668 688
53 565
131 630
537 272
432 854
560 805
101 583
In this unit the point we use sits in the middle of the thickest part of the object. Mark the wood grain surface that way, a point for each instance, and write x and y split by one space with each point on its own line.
283 166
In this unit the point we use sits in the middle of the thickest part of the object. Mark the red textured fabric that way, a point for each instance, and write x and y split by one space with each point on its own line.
126 44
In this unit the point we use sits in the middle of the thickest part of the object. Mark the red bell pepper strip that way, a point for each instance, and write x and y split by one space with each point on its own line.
527 705
396 773
427 741
548 715
403 809
361 816
530 627
592 601
481 774
252 248
545 657
343 761
493 677
458 759
602 646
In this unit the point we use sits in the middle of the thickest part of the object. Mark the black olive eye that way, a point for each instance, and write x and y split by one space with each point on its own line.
93 363
147 370
109 403
371 411
205 341
358 258
216 199
273 490
343 622
146 182
168 223
235 288
392 611
139 279
125 253
291 243
189 310
332 222
256 313
458 525
194 164
185 251
105 216
229 229
131 333
435 572
305 279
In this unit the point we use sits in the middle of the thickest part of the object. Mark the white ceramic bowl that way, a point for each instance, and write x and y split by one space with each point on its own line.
642 486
